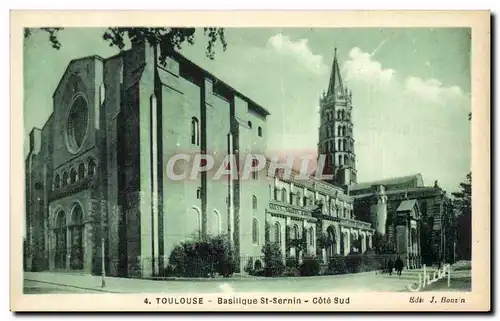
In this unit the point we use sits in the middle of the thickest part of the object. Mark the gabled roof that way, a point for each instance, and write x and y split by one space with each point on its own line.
406 205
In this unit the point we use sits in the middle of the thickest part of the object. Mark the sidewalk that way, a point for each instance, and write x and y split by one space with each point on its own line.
119 285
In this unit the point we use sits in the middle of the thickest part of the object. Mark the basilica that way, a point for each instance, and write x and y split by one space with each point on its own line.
97 187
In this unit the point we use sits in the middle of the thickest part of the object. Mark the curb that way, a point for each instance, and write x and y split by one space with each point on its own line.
72 286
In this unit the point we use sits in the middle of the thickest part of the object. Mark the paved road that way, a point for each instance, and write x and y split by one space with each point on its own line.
33 287
361 282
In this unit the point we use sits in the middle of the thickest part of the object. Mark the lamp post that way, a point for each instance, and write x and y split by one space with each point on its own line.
103 265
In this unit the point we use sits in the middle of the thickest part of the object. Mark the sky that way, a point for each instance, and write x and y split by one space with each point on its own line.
411 89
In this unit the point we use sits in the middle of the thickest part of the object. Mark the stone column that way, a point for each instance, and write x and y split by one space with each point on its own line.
363 242
338 236
68 247
347 242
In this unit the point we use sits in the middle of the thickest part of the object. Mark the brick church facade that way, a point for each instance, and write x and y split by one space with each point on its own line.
96 172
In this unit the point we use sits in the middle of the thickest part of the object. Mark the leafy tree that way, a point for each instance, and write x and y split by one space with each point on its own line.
167 39
381 245
462 203
273 259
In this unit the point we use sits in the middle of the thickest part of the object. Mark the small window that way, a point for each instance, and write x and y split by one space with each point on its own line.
255 231
250 124
254 202
340 159
195 132
339 130
81 171
65 179
72 176
198 193
345 160
259 130
57 181
92 167
255 163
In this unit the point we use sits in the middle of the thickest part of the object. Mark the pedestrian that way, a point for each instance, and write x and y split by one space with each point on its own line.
390 266
399 265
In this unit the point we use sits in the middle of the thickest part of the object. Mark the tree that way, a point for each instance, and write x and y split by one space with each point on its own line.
167 39
462 204
381 245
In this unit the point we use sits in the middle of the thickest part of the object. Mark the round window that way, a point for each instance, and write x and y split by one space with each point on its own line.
78 120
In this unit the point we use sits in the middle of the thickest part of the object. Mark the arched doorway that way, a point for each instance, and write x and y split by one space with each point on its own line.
60 234
76 232
332 241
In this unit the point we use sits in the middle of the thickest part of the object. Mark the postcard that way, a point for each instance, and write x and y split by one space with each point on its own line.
250 161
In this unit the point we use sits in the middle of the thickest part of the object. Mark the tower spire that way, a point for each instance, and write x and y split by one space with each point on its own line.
335 84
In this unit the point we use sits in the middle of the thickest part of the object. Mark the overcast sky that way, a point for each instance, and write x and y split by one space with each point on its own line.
411 89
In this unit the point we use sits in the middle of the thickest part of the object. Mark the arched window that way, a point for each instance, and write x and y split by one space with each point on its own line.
216 223
296 232
81 171
346 160
255 164
283 195
57 181
339 130
198 193
250 124
340 159
339 146
277 233
254 202
255 231
65 179
72 176
91 167
342 114
195 131
311 236
259 131
338 114
194 221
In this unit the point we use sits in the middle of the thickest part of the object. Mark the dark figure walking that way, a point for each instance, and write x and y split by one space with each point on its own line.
399 265
389 267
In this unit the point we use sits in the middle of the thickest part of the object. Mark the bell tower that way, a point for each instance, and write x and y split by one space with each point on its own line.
336 130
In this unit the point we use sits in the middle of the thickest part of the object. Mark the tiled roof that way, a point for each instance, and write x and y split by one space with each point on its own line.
389 181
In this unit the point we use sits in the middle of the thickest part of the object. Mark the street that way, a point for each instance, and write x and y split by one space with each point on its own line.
33 287
51 282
